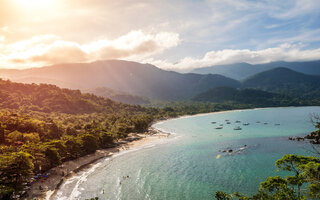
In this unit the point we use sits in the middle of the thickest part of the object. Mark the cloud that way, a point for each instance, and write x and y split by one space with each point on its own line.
284 52
299 8
51 49
133 44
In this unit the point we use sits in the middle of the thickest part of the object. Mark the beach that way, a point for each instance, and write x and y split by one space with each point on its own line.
44 188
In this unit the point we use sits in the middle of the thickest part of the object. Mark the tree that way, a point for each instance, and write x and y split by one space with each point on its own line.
222 196
15 168
294 163
53 156
15 136
276 188
2 136
106 138
89 143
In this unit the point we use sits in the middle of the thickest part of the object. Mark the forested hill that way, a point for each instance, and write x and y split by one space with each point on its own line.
285 81
130 77
50 98
248 96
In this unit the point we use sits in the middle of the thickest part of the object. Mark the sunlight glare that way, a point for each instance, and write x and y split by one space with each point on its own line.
34 4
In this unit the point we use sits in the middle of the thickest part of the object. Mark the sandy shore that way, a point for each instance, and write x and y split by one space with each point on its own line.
42 189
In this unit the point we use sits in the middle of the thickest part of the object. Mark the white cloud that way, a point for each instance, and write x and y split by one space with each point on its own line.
51 49
284 52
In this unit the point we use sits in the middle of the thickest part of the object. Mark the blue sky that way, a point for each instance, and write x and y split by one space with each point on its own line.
172 34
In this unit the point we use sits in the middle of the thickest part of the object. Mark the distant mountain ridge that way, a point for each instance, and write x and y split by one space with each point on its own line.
130 77
240 71
285 81
130 82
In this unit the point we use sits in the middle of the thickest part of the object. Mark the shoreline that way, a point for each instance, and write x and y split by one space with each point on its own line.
224 111
44 189
60 174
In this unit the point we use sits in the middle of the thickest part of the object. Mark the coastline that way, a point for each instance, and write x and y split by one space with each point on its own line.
43 189
60 174
225 111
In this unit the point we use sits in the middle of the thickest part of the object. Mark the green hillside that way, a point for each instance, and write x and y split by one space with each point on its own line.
50 98
247 96
285 81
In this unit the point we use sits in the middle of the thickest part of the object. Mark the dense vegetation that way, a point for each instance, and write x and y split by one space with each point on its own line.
253 96
50 98
285 81
303 183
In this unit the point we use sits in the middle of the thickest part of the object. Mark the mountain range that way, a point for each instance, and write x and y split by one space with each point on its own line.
129 77
136 83
240 71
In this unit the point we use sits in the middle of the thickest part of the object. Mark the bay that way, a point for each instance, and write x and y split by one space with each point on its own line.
191 164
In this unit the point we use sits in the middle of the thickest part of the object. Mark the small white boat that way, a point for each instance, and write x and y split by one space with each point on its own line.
219 127
237 128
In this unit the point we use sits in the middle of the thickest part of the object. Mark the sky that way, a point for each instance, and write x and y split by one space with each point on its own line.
178 35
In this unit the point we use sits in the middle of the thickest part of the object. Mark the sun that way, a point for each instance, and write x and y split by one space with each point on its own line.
34 4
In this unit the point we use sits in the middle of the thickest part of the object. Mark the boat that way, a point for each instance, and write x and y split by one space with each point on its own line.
219 127
238 121
228 122
265 123
237 128
277 124
213 122
245 124
257 121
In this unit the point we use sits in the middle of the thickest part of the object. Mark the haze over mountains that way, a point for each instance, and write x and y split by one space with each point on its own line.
240 71
130 77
136 83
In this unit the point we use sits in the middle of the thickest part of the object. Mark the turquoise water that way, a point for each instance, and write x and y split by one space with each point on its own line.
187 165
